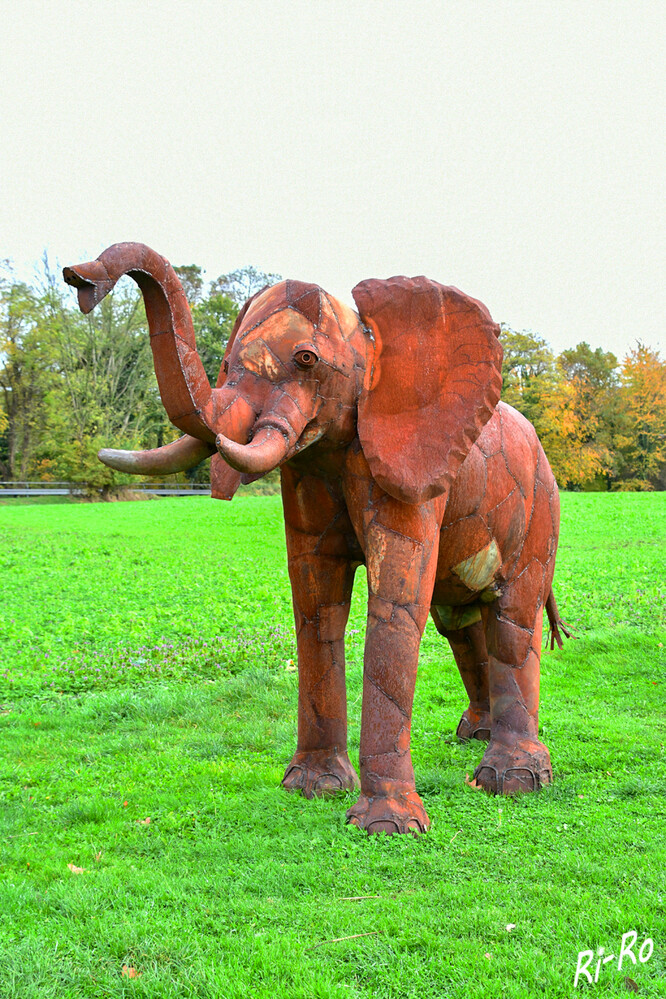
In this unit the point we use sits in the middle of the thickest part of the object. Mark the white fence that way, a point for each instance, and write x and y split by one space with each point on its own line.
82 488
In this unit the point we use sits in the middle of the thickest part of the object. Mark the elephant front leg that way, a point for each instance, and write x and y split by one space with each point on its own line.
401 570
389 801
321 587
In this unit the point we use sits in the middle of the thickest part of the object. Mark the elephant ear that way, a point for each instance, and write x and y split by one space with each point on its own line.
435 382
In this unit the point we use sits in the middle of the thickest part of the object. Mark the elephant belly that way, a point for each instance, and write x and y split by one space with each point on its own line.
487 512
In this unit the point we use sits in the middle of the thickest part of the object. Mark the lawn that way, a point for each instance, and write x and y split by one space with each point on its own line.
147 712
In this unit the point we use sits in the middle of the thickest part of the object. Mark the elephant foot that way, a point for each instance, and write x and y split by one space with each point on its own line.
320 772
521 767
392 813
474 724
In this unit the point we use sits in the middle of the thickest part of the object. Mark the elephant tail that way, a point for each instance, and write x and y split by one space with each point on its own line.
557 626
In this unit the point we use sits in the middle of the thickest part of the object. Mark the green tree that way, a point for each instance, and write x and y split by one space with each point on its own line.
191 278
529 372
213 319
594 368
26 372
106 393
241 284
70 384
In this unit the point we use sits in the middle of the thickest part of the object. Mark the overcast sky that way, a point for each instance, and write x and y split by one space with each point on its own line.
514 149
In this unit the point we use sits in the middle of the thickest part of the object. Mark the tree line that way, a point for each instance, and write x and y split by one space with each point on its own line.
71 384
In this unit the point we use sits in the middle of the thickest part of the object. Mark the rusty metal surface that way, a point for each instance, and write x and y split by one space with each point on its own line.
396 454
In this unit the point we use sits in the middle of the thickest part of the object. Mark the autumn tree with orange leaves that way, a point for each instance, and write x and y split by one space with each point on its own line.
640 438
568 400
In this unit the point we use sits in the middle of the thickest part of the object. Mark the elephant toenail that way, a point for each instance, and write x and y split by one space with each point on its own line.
487 777
463 732
384 825
294 778
482 734
327 784
519 779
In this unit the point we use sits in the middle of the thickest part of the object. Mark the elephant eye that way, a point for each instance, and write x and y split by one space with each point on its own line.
305 357
225 366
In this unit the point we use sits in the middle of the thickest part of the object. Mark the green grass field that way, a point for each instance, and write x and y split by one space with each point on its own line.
146 672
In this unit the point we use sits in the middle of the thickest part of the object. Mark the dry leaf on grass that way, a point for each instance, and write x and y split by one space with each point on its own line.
98 856
488 956
472 783
76 870
129 972
143 822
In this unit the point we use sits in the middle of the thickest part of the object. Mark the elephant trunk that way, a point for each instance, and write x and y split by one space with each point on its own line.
183 384
276 435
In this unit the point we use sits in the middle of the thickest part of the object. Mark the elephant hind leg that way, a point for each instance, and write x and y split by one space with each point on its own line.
471 655
468 646
515 760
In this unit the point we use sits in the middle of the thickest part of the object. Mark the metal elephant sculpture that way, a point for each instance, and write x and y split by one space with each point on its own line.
395 453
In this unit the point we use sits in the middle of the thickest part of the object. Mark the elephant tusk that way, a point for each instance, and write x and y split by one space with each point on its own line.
179 456
268 449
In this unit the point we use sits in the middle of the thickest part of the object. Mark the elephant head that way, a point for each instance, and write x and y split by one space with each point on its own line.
415 376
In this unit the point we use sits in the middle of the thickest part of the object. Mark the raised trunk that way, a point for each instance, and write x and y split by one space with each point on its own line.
183 384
